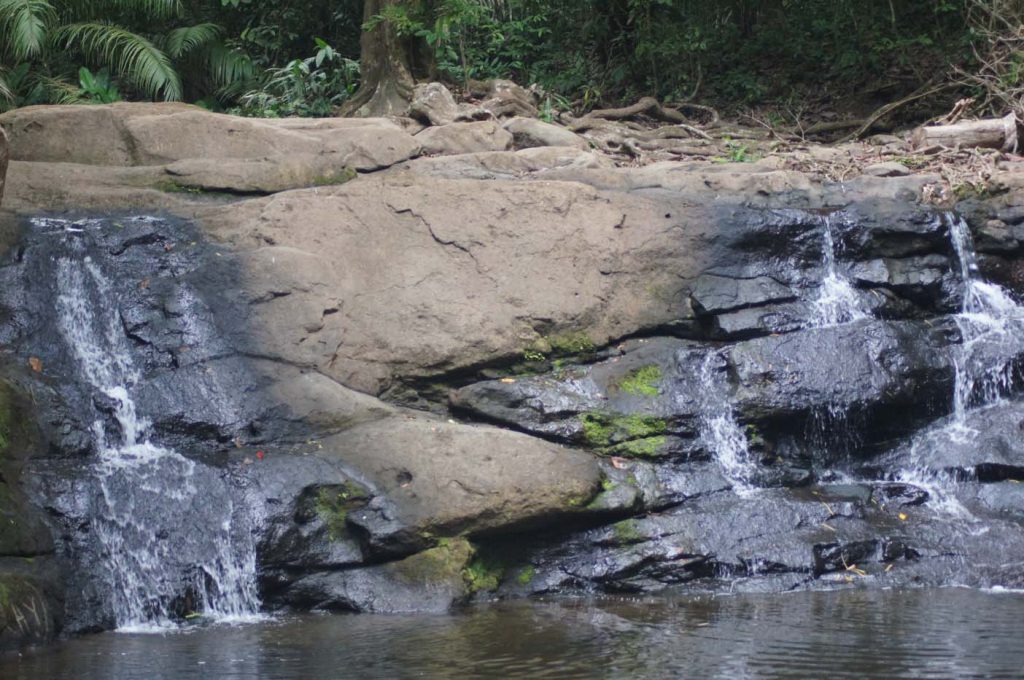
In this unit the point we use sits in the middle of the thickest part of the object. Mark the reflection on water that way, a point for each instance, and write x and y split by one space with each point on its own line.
854 634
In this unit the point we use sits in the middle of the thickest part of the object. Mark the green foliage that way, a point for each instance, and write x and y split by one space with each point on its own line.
312 87
134 57
97 87
737 52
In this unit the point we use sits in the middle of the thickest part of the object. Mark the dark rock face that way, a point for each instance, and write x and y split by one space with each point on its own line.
31 591
270 461
671 407
778 384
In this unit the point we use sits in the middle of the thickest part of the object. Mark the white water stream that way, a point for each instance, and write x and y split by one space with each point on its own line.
721 433
166 525
837 300
991 325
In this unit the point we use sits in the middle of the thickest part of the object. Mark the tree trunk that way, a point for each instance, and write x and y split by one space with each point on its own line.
385 67
994 133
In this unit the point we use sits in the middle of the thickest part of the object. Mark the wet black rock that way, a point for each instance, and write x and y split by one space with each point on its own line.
650 401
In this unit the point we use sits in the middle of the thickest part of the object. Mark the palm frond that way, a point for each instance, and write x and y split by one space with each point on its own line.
182 41
128 54
85 10
56 90
229 67
23 23
6 95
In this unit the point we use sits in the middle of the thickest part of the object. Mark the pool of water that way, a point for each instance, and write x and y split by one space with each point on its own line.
948 633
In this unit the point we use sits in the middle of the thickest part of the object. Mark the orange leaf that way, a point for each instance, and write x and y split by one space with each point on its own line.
36 363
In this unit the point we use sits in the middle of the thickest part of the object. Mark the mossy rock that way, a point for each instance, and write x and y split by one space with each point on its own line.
441 565
484 573
629 436
333 503
644 381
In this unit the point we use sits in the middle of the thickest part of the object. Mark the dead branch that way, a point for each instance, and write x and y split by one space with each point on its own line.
883 111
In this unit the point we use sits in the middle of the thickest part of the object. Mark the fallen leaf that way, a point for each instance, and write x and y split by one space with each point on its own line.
619 463
902 516
36 364
508 381
259 455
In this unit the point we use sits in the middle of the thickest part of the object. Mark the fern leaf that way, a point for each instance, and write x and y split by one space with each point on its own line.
24 23
130 55
182 41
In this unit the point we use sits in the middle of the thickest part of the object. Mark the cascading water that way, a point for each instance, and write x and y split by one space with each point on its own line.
721 433
171 540
991 325
837 301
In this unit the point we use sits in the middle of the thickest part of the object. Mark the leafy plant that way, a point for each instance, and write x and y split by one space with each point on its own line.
313 87
140 43
97 87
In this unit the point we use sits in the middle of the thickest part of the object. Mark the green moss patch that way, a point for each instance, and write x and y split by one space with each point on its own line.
526 575
643 381
445 563
627 531
602 430
576 342
171 187
484 573
332 178
648 447
333 504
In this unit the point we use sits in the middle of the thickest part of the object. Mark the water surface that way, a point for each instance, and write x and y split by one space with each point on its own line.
854 634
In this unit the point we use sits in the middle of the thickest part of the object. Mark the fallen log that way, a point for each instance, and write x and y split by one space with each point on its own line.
992 133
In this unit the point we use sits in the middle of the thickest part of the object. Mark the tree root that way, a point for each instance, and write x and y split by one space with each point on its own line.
648 106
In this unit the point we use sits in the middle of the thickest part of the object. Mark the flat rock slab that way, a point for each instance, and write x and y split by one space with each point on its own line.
146 134
443 479
530 132
408 276
460 138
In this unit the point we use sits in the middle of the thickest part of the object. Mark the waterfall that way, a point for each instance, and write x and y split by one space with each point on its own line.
721 433
837 301
992 326
171 539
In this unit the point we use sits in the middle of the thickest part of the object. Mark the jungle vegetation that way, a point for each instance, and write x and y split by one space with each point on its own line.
776 60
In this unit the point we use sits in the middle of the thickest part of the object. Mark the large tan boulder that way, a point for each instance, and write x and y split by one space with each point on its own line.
445 479
530 132
408 275
127 134
460 138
